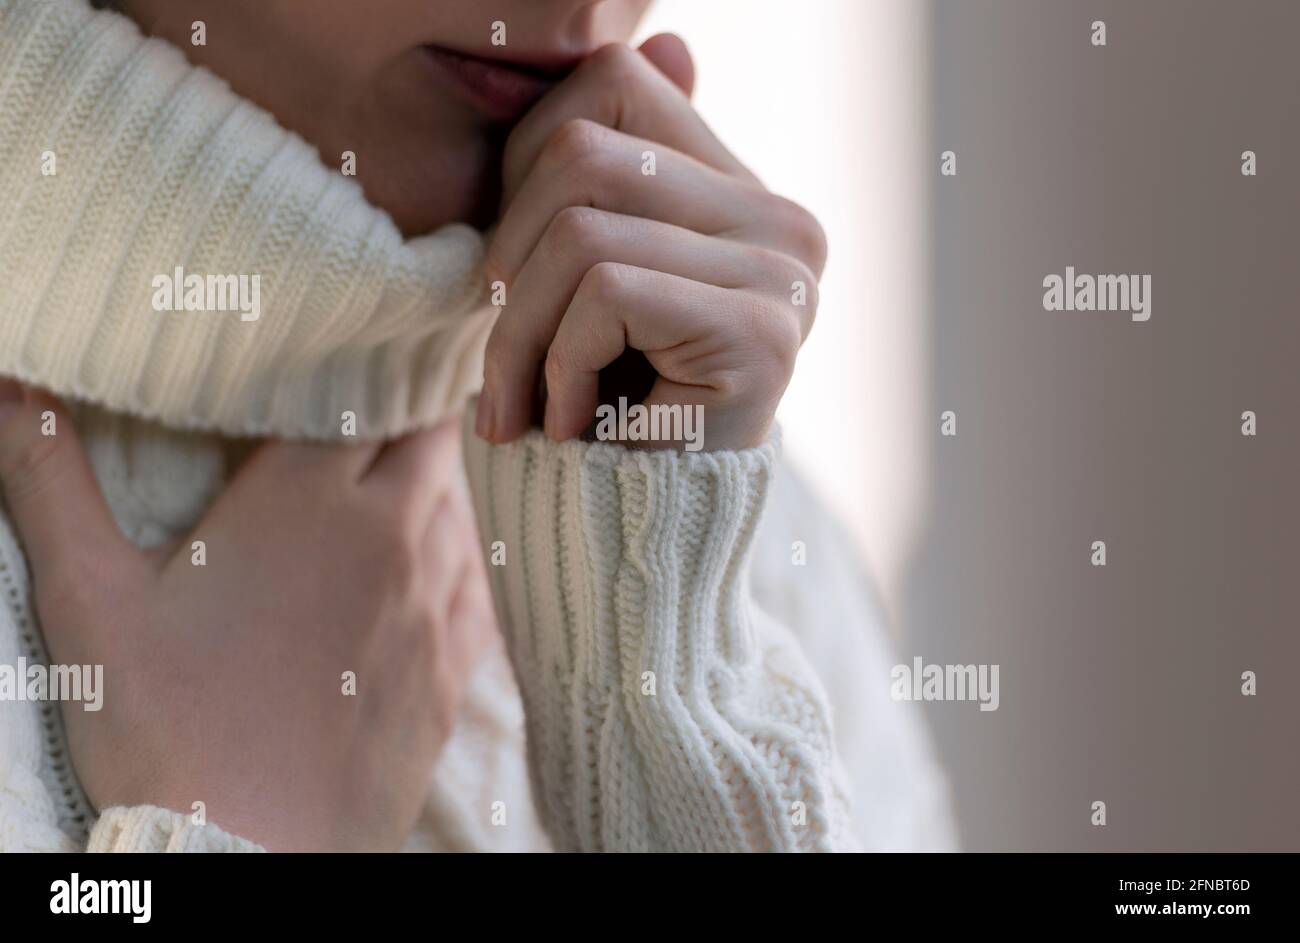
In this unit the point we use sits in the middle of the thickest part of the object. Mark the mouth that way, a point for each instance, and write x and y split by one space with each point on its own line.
500 89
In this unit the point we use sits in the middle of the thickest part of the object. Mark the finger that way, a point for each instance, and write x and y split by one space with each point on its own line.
416 471
668 53
51 492
586 164
471 631
322 463
619 307
619 88
578 239
278 476
450 551
472 623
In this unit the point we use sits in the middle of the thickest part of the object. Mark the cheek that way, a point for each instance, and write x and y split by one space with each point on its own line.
419 156
429 176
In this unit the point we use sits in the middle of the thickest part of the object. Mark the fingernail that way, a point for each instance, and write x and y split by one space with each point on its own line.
11 396
484 420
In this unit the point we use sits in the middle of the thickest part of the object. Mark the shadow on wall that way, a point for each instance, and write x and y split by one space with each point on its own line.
1119 683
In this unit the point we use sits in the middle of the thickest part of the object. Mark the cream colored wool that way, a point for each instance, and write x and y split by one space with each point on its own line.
148 828
663 710
158 166
770 680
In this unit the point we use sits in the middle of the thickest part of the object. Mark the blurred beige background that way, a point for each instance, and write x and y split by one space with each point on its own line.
825 101
1121 683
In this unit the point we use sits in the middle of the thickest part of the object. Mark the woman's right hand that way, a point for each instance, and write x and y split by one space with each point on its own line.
229 683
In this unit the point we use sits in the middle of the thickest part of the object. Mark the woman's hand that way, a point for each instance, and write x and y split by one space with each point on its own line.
697 266
227 683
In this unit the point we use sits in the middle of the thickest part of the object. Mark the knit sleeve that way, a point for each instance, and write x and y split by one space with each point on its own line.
148 828
663 710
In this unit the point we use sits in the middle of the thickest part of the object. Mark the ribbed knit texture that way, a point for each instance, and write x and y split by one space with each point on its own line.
148 828
158 166
618 562
664 712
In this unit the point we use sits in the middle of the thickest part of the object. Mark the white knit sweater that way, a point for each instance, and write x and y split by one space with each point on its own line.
675 682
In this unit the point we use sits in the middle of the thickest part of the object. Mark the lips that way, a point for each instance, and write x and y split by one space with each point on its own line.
502 90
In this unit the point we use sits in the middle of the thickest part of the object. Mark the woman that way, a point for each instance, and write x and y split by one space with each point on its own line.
284 665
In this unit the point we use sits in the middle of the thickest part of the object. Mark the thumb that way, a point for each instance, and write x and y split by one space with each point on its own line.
668 53
51 493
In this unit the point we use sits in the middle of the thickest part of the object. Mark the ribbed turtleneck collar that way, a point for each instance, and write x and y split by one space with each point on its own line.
121 163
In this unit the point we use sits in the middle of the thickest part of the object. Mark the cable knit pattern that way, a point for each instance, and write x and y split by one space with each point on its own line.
148 828
160 165
618 562
664 712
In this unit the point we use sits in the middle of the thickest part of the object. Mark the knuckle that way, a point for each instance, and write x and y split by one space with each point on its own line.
806 234
579 230
798 273
575 145
605 283
778 336
788 273
616 61
729 384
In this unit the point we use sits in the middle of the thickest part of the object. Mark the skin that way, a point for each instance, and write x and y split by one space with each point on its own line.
224 683
678 283
691 269
350 75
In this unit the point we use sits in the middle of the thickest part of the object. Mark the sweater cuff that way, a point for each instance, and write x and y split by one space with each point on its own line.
151 829
661 711
614 558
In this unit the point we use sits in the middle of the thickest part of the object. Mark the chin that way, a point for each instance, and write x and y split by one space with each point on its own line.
422 219
423 195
